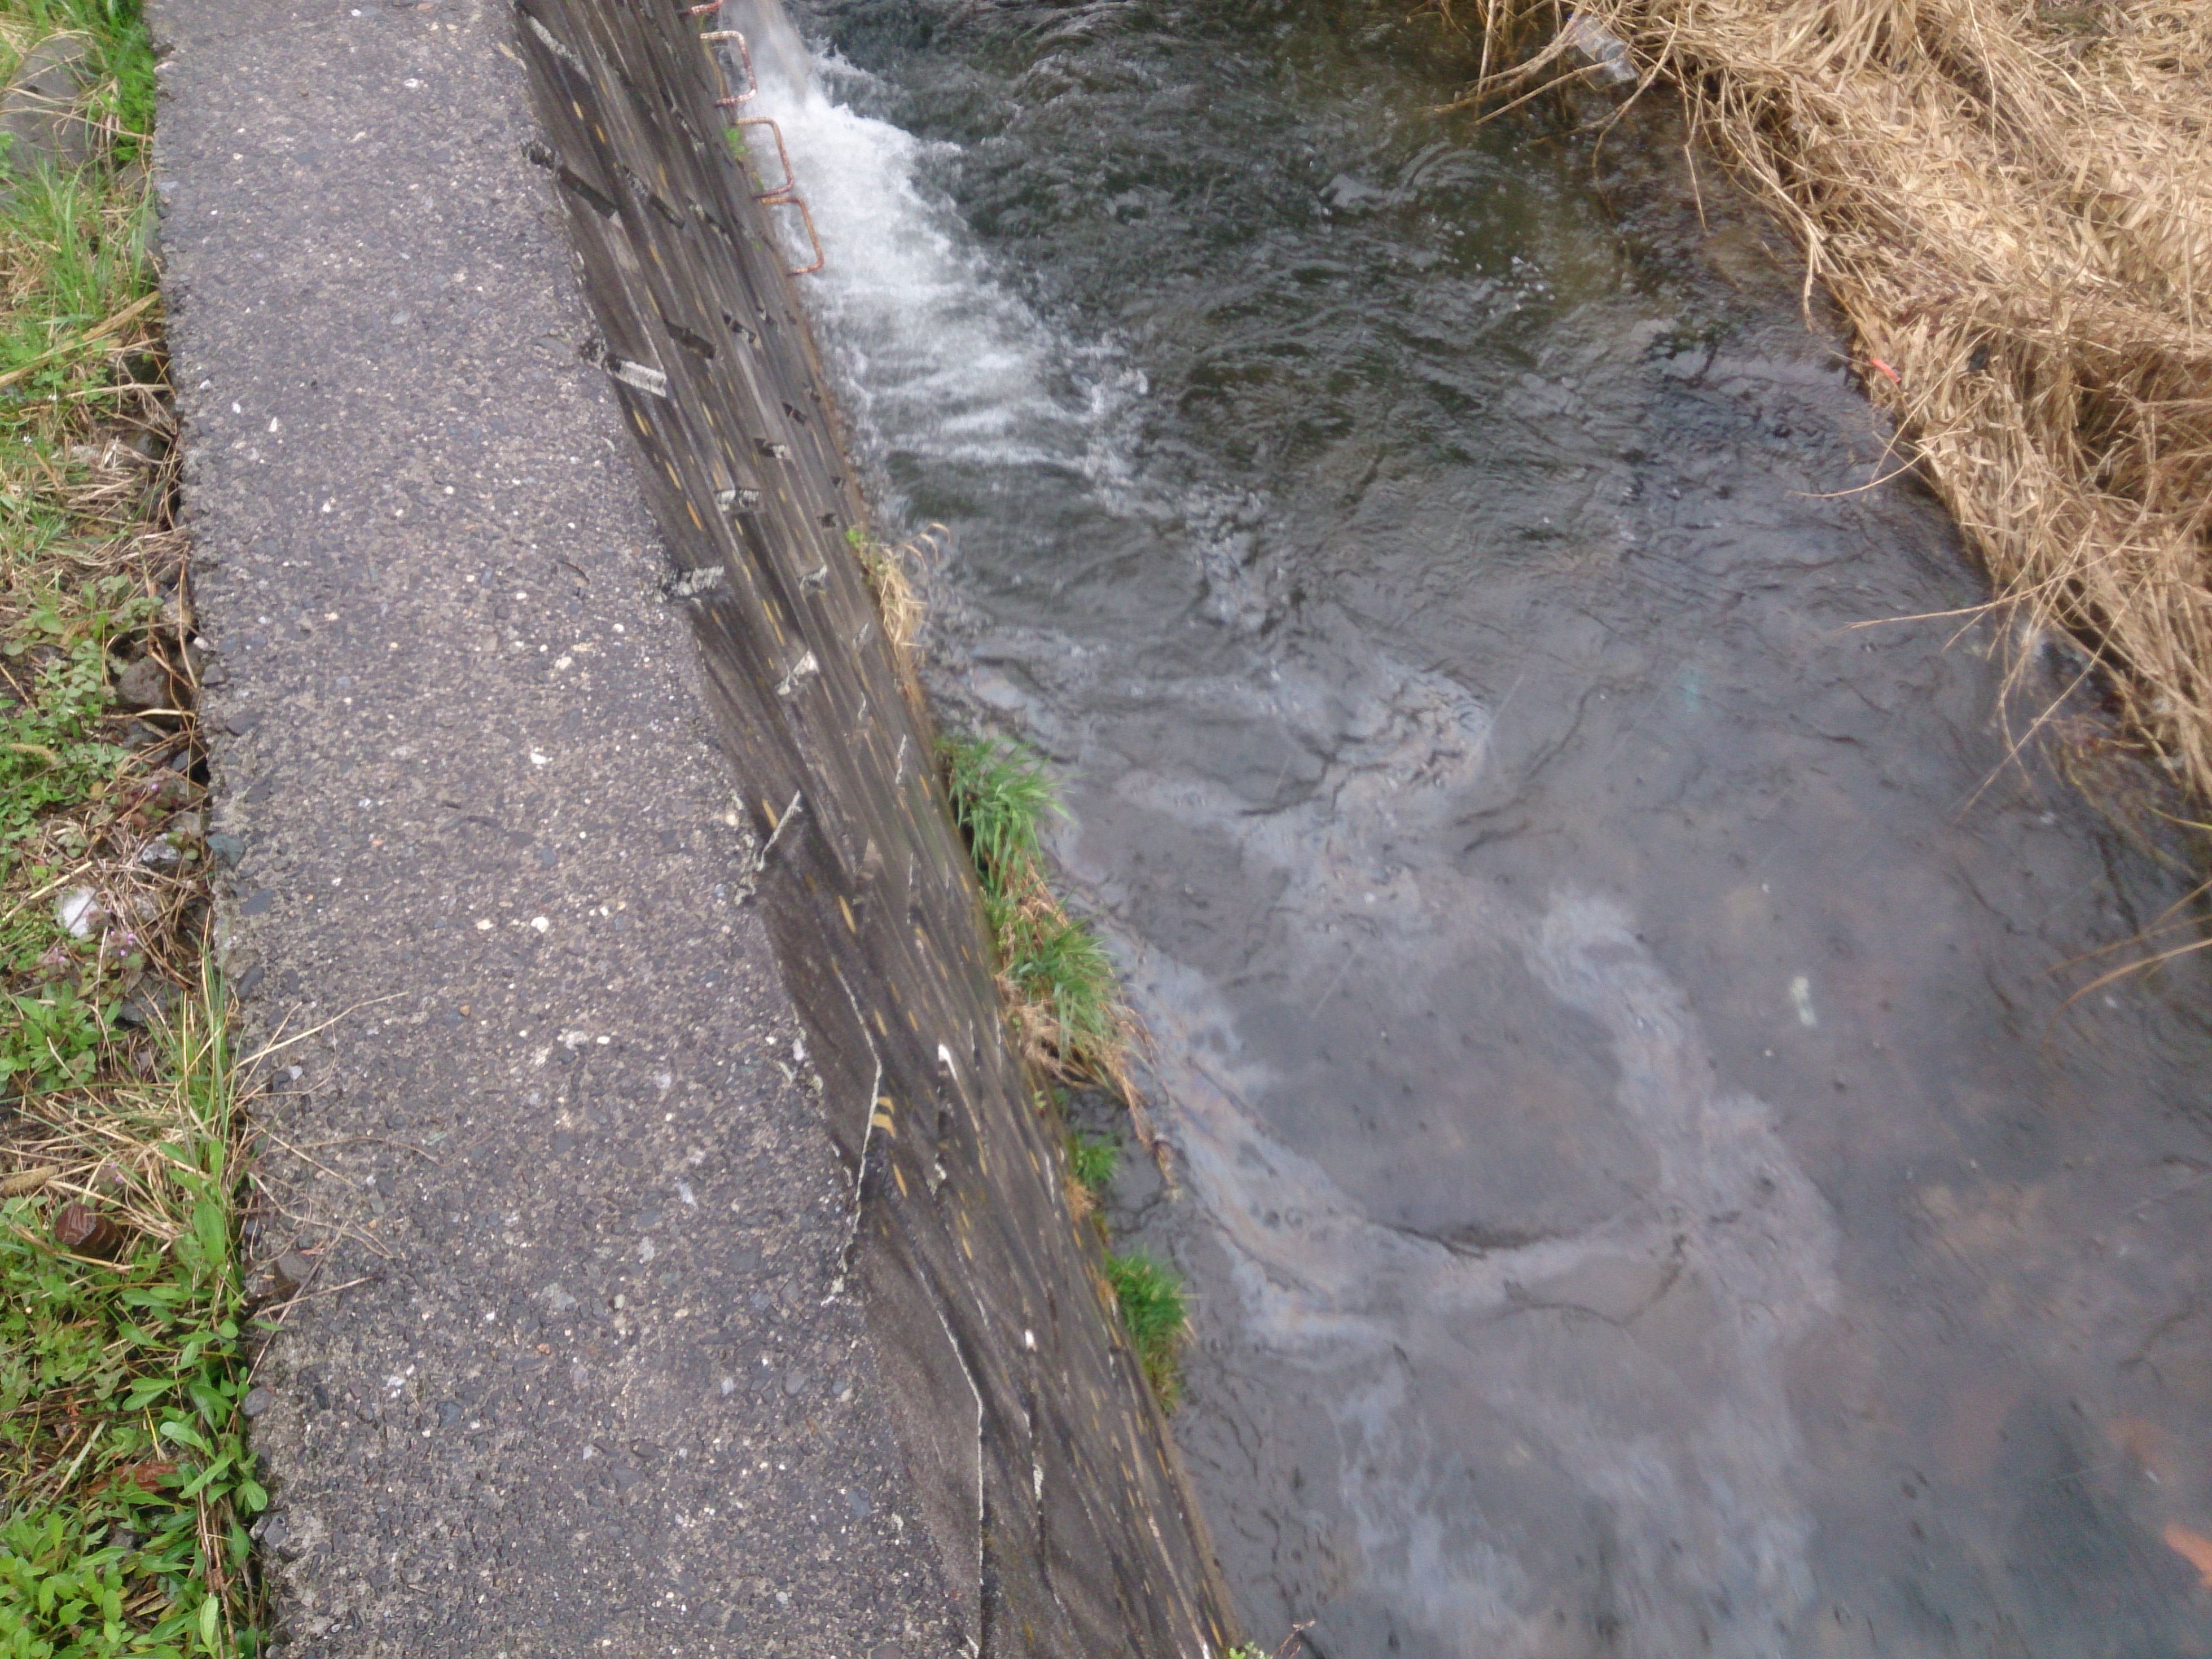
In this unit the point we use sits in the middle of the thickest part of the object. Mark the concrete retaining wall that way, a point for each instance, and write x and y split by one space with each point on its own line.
1044 1471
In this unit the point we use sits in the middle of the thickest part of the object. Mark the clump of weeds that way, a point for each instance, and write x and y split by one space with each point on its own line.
1062 997
1064 1004
1156 1317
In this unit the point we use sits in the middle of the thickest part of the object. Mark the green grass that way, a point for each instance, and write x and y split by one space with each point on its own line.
1000 798
1093 1160
1156 1316
52 751
1066 1010
129 1483
121 97
125 1486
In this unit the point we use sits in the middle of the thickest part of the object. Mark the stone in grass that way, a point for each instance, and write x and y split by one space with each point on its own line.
151 1004
78 912
39 114
143 685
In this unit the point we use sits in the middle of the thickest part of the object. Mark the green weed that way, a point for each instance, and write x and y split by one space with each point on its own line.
1000 798
49 1041
1065 1000
128 1479
51 751
1156 1316
88 265
120 99
1058 963
1093 1160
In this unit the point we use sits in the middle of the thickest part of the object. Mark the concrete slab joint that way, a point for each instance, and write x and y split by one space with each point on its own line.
574 1167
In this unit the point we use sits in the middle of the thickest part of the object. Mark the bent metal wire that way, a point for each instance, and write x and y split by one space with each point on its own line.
787 193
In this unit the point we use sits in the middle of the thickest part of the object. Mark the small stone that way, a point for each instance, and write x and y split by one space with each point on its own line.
258 903
278 1279
149 1004
78 912
449 1413
795 1381
226 848
256 1401
143 685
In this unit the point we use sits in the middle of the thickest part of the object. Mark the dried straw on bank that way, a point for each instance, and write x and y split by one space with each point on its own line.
2013 204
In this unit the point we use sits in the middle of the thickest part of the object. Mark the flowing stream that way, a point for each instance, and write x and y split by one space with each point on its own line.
1644 1185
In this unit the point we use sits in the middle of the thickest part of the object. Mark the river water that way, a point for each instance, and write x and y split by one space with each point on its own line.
1645 1187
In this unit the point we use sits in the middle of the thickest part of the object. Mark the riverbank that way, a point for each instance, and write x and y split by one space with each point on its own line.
2012 203
125 1486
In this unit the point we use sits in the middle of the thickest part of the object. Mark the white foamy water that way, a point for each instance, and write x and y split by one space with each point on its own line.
936 359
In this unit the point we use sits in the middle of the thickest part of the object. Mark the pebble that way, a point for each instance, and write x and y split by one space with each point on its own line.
143 685
78 912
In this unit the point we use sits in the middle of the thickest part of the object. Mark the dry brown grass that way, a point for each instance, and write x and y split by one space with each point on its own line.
2013 204
895 576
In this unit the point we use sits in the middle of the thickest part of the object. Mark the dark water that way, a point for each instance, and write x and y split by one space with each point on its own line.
1645 1189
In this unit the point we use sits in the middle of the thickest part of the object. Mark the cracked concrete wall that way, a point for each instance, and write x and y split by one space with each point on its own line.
1041 1460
